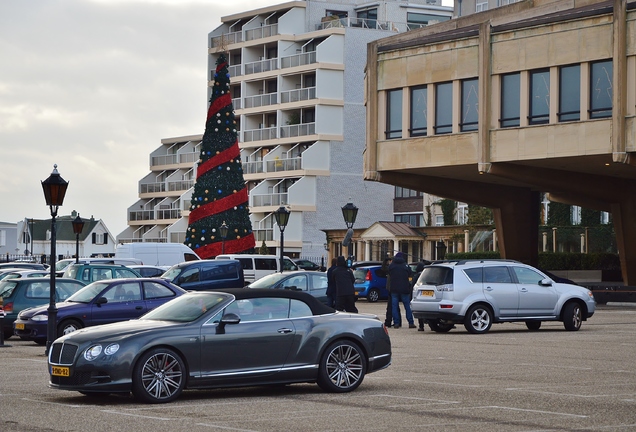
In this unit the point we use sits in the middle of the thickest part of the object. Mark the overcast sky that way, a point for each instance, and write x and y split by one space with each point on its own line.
93 86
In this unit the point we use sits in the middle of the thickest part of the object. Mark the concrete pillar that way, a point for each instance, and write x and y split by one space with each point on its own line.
466 240
494 240
623 215
583 243
554 240
545 241
517 224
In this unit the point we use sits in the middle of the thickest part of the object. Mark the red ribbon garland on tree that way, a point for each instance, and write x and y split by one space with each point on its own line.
218 206
224 156
231 246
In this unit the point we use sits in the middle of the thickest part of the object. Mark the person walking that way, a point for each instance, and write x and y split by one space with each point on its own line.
400 274
388 320
331 284
345 291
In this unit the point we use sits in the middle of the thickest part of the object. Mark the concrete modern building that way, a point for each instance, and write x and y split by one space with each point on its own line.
495 108
8 238
297 76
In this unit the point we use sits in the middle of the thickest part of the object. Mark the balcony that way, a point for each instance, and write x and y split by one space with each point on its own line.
265 65
174 159
261 32
260 100
298 95
278 165
152 188
255 167
168 214
152 215
298 60
365 23
234 71
259 134
262 235
182 185
261 200
298 130
226 39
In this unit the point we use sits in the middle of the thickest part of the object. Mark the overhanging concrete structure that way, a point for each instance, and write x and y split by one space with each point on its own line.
586 158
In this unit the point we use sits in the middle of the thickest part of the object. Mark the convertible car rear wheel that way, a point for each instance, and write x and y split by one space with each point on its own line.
342 367
159 376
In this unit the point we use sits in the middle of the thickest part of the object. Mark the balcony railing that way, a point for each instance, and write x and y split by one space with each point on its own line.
260 100
269 200
233 70
252 167
174 159
298 60
261 66
259 134
226 39
152 187
298 130
298 95
169 214
261 32
284 164
263 235
182 185
368 24
236 103
141 215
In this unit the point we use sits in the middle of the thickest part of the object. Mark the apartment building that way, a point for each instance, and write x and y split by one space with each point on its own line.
497 107
297 83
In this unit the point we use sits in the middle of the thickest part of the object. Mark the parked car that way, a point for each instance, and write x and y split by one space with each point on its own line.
149 270
213 339
257 266
304 264
479 293
98 303
23 265
20 273
312 282
19 294
357 264
88 273
157 254
370 283
61 265
206 274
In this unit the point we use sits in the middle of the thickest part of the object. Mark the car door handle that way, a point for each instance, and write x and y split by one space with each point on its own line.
138 307
524 290
285 330
488 288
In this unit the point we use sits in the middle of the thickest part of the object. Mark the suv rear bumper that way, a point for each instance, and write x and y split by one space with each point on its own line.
438 315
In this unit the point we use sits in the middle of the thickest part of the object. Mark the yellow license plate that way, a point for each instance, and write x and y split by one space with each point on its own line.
60 371
19 326
426 293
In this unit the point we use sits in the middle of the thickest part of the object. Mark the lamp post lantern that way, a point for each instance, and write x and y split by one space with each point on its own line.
78 226
54 189
349 212
282 217
223 231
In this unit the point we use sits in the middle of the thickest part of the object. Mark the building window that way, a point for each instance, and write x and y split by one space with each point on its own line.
415 220
539 97
369 17
100 238
510 92
401 192
601 89
470 105
439 220
443 108
481 6
393 114
569 93
416 20
419 113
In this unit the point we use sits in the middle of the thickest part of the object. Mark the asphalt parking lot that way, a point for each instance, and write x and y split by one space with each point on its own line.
510 379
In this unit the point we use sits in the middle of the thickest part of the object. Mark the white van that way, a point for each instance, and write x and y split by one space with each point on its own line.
257 266
157 254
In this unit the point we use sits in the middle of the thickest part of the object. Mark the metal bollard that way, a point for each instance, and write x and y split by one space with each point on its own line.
2 345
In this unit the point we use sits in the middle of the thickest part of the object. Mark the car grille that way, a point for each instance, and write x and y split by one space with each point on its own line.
81 378
62 354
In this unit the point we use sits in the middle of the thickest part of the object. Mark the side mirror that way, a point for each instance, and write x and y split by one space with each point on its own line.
229 318
545 282
101 301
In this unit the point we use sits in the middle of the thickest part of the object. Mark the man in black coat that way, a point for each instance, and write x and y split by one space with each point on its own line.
400 274
345 291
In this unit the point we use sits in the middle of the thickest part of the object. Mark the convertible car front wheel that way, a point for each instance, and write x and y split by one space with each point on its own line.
159 376
342 367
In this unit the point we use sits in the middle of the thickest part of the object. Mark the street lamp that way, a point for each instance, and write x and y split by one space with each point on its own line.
54 189
441 250
349 212
282 217
223 230
78 226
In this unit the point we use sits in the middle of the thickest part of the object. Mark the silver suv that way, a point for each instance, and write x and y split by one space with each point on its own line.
478 293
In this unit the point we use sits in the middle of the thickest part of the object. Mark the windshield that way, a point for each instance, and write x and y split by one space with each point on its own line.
87 293
62 264
268 281
187 307
172 273
6 288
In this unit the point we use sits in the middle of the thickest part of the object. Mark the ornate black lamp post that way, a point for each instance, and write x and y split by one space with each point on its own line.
78 226
441 250
282 217
223 231
349 212
54 190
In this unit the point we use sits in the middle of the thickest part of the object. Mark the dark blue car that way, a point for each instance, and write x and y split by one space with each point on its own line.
98 303
370 283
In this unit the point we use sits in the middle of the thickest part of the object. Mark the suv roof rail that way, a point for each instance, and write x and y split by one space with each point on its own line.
482 260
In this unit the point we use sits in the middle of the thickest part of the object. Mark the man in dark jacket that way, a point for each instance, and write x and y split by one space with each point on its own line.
400 274
345 291
331 285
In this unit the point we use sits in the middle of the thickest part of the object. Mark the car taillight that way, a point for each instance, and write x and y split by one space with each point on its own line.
8 307
368 277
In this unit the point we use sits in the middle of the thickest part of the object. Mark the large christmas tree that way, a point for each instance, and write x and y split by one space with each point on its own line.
220 195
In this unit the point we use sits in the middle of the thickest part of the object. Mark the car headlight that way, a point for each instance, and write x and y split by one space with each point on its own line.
41 317
591 294
92 352
111 349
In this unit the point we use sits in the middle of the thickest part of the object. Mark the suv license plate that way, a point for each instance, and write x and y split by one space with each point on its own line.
60 371
426 293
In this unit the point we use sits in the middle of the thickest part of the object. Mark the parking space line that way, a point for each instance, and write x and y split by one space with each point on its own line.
138 415
520 409
215 426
